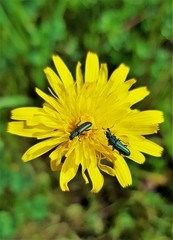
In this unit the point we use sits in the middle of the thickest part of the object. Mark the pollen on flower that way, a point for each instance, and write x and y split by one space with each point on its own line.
88 119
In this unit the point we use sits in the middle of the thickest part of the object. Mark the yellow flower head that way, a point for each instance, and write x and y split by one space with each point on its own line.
89 122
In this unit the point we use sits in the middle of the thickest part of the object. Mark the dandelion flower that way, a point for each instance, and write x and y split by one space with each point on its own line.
76 116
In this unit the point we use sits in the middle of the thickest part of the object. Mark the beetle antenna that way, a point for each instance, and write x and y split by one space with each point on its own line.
108 127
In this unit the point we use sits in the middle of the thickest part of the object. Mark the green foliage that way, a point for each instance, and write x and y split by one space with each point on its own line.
135 32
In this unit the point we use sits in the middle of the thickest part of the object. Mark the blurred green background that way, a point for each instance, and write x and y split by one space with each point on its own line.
136 32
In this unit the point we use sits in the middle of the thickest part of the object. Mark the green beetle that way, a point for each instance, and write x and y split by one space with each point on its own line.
80 129
116 143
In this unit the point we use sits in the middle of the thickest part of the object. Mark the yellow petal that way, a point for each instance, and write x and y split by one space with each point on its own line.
136 156
149 147
63 72
78 152
24 113
49 111
96 178
107 169
39 149
83 158
59 152
119 75
142 123
91 67
103 75
122 172
79 77
55 166
18 128
124 93
49 99
68 171
71 146
49 134
138 94
115 83
148 117
49 121
63 112
54 81
89 162
40 131
129 83
84 176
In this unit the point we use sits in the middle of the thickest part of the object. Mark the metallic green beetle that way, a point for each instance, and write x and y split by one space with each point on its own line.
116 143
83 127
